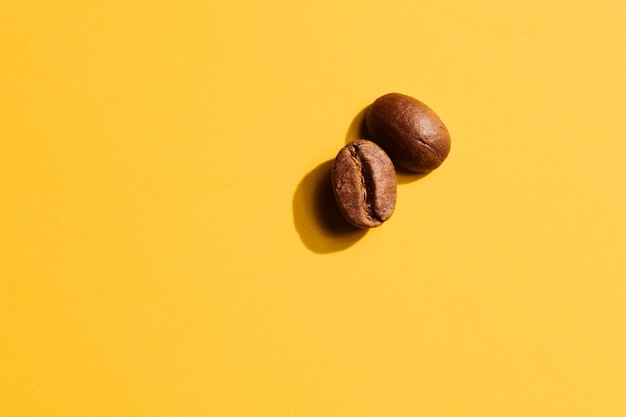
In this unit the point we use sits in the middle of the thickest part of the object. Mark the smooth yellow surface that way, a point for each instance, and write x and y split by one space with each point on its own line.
167 245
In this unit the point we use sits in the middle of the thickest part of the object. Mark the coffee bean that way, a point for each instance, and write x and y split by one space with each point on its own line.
409 131
364 183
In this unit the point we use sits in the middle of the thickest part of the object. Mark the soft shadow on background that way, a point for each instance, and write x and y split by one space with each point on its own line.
358 130
320 224
404 176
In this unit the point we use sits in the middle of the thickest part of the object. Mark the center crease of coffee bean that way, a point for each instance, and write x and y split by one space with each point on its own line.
365 175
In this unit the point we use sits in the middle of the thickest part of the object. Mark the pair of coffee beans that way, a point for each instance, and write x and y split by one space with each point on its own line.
403 132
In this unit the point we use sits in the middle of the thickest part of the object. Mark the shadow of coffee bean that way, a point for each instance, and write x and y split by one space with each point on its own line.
317 219
357 129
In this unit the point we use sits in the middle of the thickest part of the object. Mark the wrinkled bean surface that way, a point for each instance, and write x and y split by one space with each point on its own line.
364 183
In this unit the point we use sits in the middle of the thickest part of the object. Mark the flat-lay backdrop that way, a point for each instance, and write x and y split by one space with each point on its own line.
169 245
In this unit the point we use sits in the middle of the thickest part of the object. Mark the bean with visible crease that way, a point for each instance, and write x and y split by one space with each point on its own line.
364 184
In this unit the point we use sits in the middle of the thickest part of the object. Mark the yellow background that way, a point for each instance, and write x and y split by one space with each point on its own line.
168 246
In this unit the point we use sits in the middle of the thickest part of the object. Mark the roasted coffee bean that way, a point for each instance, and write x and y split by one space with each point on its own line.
409 131
364 183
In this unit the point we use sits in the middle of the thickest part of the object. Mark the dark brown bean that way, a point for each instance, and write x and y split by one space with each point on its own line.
364 183
409 131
